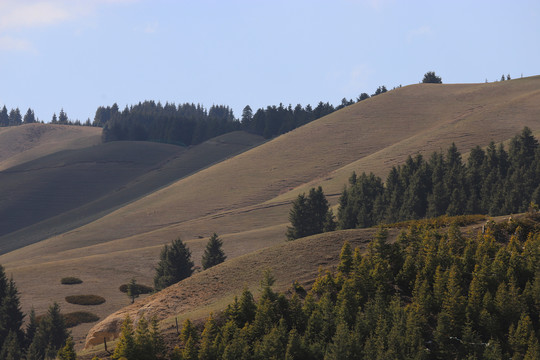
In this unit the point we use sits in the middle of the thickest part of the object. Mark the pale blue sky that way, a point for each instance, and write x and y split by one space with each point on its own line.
80 54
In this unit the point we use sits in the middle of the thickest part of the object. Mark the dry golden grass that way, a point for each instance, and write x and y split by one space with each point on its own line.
28 142
246 199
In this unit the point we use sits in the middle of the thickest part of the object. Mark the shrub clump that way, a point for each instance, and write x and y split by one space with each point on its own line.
71 280
79 317
142 289
85 299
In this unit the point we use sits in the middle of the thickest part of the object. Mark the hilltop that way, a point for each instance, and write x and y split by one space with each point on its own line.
24 143
246 198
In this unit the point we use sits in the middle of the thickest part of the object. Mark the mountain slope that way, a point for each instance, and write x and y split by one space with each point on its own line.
68 189
246 198
27 142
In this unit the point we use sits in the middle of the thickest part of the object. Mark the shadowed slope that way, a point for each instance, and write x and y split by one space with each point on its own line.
19 144
67 189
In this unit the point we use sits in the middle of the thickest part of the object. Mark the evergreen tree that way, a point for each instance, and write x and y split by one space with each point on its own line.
133 291
247 116
4 117
213 254
175 265
209 349
62 117
11 316
31 328
29 117
125 347
430 77
68 351
15 117
11 348
310 215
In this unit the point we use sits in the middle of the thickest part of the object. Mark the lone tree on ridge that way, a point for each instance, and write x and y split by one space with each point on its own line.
431 78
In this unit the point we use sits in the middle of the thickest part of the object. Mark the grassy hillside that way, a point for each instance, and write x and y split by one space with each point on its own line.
246 198
67 189
24 143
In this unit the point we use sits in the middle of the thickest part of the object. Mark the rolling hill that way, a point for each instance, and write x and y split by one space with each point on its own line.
246 198
31 141
69 188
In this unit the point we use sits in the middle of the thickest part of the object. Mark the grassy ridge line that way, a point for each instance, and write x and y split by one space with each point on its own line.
20 144
499 119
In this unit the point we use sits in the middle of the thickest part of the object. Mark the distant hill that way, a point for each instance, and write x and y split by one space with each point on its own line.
24 143
67 189
246 198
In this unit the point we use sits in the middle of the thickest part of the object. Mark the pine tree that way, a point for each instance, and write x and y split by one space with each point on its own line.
133 291
346 259
68 351
11 316
213 254
31 328
29 117
62 117
430 77
175 265
15 117
208 349
310 215
125 347
11 349
188 331
4 117
246 308
158 343
55 327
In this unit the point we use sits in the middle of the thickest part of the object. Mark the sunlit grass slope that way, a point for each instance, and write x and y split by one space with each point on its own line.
246 198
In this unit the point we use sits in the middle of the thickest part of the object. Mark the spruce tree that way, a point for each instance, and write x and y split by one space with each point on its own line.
11 316
125 347
310 215
4 117
133 291
68 351
175 265
213 254
430 77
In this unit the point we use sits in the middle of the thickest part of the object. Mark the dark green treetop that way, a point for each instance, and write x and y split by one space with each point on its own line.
431 78
174 265
213 254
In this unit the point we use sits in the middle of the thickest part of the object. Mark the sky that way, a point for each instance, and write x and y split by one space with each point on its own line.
82 54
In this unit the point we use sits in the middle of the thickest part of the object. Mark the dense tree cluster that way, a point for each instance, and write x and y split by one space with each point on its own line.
185 124
189 124
310 215
39 340
492 181
276 120
14 118
174 265
431 294
142 343
431 78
